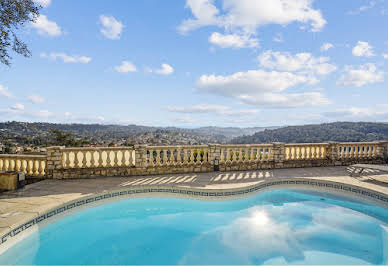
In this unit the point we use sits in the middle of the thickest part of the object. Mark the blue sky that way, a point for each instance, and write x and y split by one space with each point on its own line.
201 62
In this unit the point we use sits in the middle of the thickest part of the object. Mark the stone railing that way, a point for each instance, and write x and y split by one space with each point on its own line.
308 151
61 162
97 157
31 165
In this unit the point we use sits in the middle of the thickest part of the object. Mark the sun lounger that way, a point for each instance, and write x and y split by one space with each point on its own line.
361 167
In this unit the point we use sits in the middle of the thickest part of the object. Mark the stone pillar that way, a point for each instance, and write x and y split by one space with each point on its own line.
53 161
332 153
382 151
215 156
279 150
140 158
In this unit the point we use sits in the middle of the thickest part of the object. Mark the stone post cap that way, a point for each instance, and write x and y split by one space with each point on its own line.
56 147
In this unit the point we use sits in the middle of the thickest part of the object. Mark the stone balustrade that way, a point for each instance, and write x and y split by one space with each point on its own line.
176 155
356 150
306 151
97 157
245 153
31 165
61 162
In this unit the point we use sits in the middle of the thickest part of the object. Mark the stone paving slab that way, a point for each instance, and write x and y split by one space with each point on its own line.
22 205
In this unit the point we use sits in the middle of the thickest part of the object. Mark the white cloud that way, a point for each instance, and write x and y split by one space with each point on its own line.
370 5
326 46
248 15
278 38
43 3
46 27
373 113
365 74
210 108
233 40
36 98
363 49
303 62
4 91
385 56
67 58
165 70
126 67
259 87
18 107
111 28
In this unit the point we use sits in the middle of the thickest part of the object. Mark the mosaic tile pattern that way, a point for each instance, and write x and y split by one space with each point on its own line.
198 193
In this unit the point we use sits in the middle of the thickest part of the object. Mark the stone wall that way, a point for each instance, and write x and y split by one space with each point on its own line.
222 158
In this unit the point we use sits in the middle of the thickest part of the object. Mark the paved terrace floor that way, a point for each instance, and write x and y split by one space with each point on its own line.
38 198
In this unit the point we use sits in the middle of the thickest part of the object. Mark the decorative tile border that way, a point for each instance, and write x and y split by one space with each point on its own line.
194 193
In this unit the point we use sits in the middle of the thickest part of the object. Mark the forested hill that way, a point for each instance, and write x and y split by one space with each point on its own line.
339 131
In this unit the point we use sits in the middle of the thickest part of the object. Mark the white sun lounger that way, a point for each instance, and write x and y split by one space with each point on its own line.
361 167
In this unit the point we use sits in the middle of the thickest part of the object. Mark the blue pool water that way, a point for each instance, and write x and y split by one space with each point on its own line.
273 227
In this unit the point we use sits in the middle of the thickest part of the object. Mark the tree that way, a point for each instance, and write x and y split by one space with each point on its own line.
13 15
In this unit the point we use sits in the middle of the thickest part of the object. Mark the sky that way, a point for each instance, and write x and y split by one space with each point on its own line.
191 63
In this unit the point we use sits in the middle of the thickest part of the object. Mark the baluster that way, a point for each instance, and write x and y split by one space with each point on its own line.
228 155
22 165
158 159
76 161
115 158
192 156
67 161
84 162
123 158
17 167
370 153
185 156
108 160
28 167
234 155
165 162
252 154
34 168
100 161
40 167
92 160
172 157
301 152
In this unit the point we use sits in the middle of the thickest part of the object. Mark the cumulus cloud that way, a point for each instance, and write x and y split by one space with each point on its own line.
363 49
233 40
248 15
165 70
4 91
111 27
364 74
67 58
36 98
210 108
303 62
326 46
46 27
126 67
259 87
43 3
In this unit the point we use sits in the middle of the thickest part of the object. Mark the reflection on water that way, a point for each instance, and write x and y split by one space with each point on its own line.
275 227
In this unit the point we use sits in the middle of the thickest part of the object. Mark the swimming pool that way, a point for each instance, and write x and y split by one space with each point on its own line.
281 226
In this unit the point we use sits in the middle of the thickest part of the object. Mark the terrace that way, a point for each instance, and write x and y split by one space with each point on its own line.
76 176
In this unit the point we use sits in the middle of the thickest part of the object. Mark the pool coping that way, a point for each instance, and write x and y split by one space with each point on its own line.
334 187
